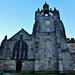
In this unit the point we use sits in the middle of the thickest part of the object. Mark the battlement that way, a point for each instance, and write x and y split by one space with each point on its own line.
70 40
46 11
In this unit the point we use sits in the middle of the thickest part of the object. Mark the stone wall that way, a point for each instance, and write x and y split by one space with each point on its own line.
71 47
9 65
27 66
1 64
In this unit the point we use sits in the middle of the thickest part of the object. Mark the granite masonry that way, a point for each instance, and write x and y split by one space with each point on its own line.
46 50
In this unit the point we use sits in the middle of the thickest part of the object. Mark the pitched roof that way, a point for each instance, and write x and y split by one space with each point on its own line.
21 31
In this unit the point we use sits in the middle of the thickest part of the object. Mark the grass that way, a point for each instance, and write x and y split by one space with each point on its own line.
38 74
45 74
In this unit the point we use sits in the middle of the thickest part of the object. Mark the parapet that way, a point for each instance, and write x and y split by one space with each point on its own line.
70 40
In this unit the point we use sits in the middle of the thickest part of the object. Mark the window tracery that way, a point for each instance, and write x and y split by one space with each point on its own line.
20 50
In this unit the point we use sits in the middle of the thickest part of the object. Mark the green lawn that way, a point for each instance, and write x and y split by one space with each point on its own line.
37 74
45 74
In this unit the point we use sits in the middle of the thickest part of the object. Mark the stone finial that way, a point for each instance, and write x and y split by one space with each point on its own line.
55 9
45 3
38 9
50 9
3 42
45 6
5 37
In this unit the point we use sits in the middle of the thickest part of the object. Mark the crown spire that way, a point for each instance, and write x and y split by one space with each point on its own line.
46 8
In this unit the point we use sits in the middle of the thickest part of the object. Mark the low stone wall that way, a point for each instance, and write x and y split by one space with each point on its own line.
9 65
1 64
27 66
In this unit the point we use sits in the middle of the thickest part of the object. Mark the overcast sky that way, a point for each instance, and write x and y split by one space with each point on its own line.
18 14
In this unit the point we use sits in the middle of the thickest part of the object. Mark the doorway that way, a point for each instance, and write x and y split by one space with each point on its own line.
18 65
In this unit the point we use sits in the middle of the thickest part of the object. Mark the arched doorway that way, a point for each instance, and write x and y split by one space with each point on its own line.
18 65
20 50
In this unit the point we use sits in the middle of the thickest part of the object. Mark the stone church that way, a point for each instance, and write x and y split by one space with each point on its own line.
46 50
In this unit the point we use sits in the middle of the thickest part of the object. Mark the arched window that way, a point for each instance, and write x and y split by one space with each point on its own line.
20 50
48 47
48 43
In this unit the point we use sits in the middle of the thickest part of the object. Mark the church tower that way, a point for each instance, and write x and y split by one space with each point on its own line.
51 50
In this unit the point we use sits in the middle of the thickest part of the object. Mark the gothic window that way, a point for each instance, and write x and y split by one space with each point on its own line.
48 43
48 48
17 54
13 53
19 49
22 54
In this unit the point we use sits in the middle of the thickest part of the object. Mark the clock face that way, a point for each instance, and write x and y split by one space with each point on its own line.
47 22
